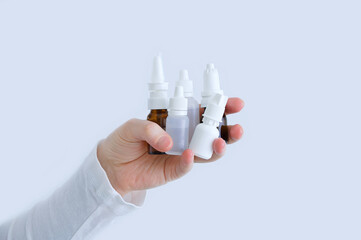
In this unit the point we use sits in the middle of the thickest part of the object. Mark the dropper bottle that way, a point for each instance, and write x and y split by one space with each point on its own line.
177 123
158 98
211 87
193 105
206 132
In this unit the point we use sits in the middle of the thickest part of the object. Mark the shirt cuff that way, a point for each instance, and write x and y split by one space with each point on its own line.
101 188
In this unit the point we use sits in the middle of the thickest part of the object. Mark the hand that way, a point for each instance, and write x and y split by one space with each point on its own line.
124 153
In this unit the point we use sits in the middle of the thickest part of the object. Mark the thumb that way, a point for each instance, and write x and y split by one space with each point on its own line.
143 130
177 166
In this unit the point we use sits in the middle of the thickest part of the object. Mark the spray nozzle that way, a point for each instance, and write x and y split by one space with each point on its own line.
158 87
183 75
158 74
210 67
185 82
157 81
211 81
211 84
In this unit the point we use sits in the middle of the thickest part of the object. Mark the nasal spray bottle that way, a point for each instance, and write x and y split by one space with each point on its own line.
177 124
158 98
206 132
193 105
211 86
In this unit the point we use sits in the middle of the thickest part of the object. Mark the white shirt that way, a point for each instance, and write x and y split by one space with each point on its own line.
77 210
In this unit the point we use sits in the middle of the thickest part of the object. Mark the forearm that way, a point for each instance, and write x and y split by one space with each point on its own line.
75 211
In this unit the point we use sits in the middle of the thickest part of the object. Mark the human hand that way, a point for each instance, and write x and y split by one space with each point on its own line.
124 153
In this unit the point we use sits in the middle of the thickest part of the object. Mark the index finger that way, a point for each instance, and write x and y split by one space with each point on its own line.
234 105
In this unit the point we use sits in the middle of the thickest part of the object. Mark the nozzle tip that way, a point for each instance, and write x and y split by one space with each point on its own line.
158 75
157 58
183 75
210 66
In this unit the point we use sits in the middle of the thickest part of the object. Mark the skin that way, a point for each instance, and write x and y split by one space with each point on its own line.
125 159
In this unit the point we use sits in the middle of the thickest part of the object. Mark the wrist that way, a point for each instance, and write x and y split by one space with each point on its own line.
109 168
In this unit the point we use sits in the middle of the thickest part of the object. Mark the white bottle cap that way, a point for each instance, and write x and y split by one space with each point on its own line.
215 109
211 84
178 104
186 83
158 87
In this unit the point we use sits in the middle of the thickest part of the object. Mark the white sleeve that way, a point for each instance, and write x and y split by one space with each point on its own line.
77 210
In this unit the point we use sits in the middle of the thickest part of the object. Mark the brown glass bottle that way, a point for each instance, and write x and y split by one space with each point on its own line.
223 132
224 129
158 116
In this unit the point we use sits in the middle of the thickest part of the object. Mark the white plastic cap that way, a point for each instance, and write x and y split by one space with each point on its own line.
215 108
211 84
186 83
178 104
158 87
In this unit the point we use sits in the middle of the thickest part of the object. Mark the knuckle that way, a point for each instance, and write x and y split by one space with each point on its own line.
126 128
131 121
149 128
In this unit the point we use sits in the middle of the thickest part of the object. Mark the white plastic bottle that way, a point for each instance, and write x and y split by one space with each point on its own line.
206 132
177 124
193 105
211 86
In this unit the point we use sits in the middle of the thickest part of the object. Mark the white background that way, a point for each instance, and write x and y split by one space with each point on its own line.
72 71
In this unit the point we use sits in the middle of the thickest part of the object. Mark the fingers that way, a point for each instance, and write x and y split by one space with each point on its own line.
142 130
234 105
219 148
177 166
235 133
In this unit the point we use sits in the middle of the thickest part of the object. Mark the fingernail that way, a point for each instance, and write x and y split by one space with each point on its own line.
164 142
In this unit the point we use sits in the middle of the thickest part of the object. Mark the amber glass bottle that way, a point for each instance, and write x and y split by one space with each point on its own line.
159 116
158 98
224 129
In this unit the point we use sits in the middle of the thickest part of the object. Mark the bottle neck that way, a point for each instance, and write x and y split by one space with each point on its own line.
158 99
158 111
